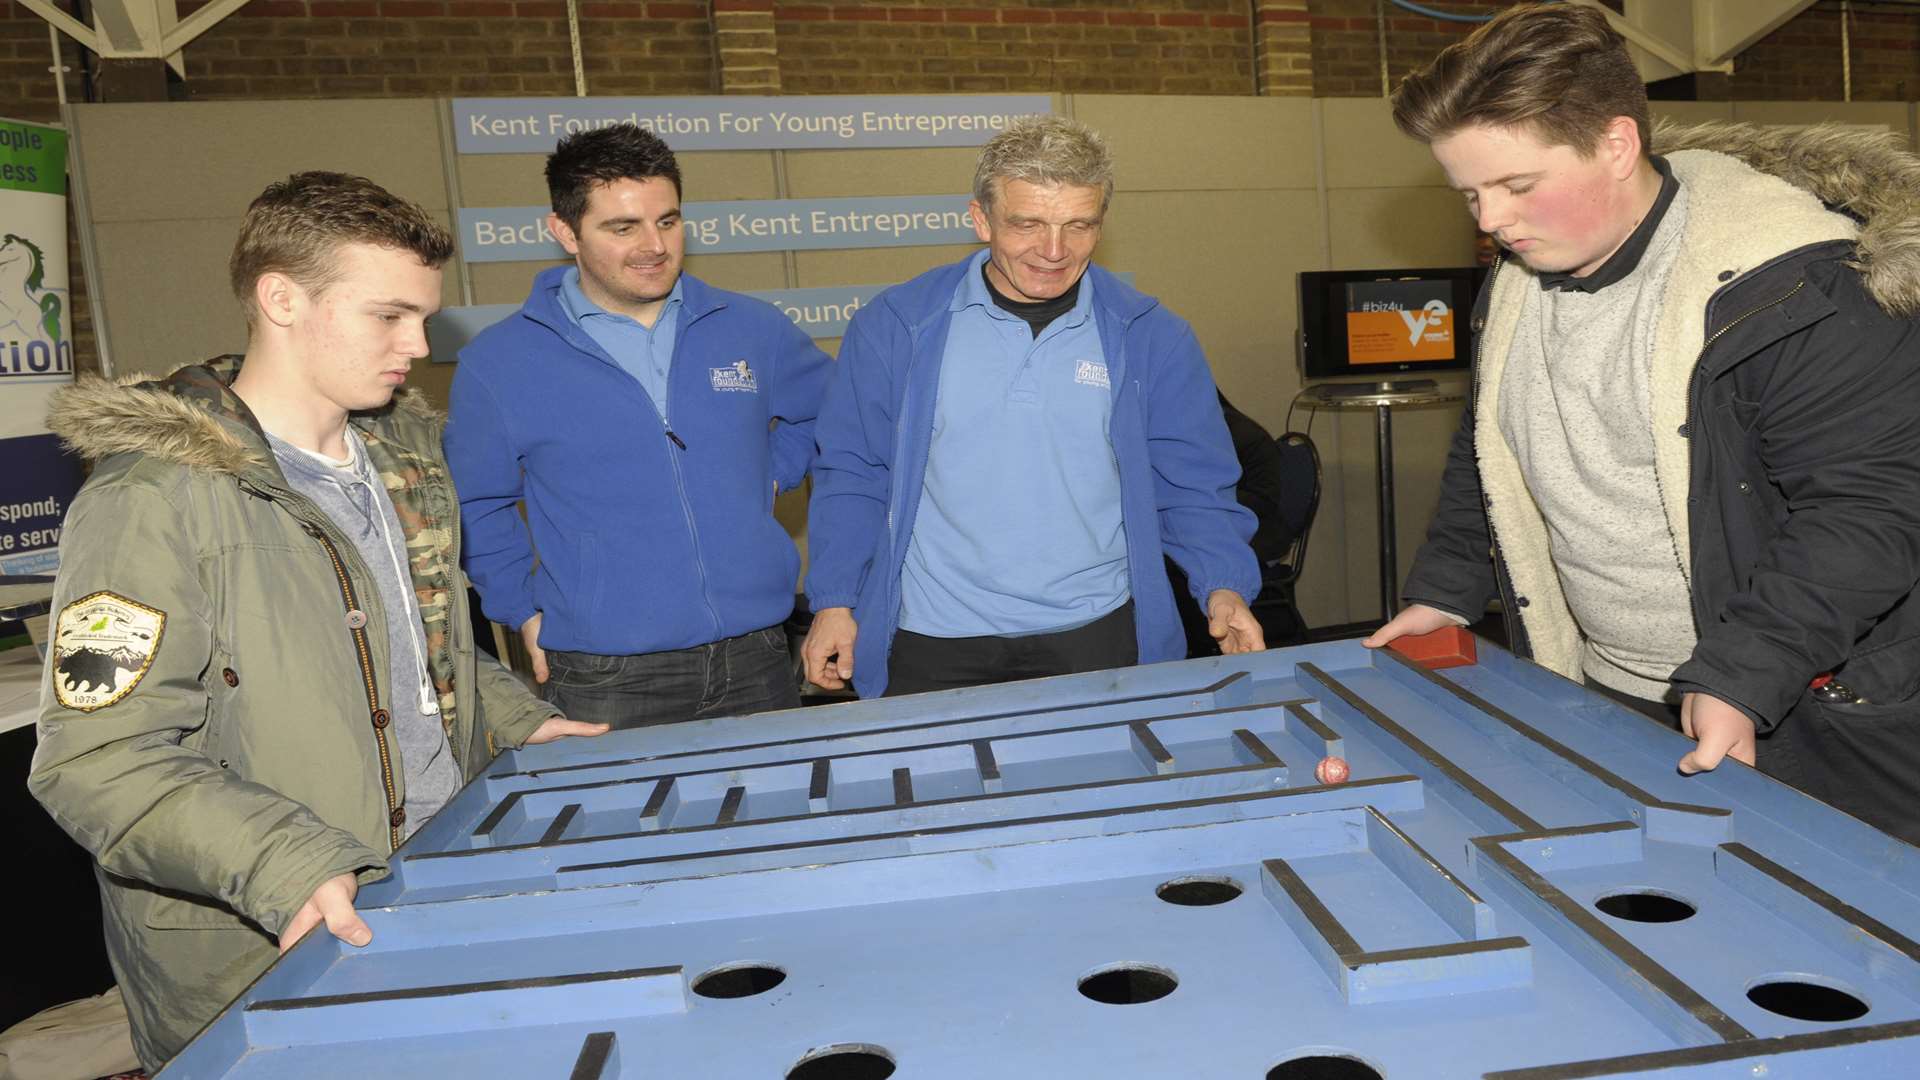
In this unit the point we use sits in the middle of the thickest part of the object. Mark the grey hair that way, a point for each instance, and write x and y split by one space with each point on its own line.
1045 150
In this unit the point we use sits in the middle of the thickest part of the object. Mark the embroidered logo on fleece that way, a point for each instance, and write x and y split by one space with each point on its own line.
736 377
1091 373
103 645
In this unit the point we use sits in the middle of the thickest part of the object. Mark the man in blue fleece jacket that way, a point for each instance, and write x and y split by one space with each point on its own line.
648 420
1010 446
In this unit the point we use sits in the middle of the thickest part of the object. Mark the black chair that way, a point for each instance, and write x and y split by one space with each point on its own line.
1275 607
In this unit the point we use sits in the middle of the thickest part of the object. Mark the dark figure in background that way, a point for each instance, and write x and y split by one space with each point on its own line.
1260 490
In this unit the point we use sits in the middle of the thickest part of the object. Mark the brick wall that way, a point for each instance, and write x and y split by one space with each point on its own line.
1801 60
26 85
1346 42
1092 46
408 48
422 48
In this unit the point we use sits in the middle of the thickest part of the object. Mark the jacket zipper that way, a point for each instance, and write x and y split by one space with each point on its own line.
365 655
375 713
900 426
680 482
1693 394
1693 385
1509 610
457 594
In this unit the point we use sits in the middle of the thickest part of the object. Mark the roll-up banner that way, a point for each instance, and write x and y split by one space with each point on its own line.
36 344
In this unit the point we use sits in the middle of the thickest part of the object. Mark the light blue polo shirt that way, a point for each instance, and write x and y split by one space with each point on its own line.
1019 528
642 353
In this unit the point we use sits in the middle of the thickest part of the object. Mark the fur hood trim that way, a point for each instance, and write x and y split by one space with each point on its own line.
98 418
1868 175
177 420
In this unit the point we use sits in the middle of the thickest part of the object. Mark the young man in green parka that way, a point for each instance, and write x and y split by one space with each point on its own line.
262 676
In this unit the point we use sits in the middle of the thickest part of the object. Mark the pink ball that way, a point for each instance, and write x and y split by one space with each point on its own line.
1332 770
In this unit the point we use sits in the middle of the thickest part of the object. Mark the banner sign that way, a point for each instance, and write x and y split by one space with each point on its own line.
821 312
534 125
36 345
520 233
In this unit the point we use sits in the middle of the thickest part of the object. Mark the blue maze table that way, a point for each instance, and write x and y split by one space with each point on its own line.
1124 874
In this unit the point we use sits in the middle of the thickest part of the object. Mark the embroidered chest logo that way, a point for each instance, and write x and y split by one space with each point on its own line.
1090 373
737 376
103 645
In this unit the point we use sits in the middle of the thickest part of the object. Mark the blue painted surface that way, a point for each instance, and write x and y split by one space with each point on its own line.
935 875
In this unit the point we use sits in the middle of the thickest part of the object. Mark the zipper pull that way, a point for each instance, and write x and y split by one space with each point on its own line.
676 439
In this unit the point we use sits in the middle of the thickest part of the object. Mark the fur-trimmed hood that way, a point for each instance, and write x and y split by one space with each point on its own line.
190 418
1869 175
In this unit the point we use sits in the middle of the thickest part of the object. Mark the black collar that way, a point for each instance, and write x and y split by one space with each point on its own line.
1036 313
1624 261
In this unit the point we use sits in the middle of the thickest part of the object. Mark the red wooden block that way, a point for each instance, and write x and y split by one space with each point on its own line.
1451 647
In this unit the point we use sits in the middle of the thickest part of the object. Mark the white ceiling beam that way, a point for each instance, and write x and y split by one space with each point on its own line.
128 28
1678 57
137 29
200 22
64 23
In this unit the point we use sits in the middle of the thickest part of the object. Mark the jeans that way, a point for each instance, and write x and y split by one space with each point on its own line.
731 677
919 663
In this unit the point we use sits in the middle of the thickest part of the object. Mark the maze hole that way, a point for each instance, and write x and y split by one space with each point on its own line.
1199 891
1131 984
850 1061
1648 906
1807 1001
1323 1067
739 980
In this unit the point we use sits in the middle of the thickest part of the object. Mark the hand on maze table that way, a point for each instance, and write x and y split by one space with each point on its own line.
1720 730
331 904
1413 621
1231 623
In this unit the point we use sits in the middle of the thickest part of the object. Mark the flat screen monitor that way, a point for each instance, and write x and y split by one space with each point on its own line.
1383 323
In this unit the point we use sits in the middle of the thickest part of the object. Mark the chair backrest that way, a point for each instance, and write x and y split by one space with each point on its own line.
1299 499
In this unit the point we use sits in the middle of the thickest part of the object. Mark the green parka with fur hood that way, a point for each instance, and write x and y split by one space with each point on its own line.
214 726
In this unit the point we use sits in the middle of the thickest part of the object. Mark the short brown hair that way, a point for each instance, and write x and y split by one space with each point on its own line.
1557 70
297 224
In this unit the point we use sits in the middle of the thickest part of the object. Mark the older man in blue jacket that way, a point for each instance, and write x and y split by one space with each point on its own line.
647 419
1010 445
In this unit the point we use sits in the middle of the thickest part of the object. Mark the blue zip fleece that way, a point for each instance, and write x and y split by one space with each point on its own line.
652 535
1177 466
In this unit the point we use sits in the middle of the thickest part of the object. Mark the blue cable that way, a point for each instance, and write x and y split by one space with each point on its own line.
1444 16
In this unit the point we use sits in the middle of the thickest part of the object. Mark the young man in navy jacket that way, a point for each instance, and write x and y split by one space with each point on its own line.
1010 445
648 420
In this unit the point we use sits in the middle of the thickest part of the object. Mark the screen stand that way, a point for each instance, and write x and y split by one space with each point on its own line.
1330 391
1382 397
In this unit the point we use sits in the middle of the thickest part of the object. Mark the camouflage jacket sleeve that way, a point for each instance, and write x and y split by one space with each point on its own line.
133 637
